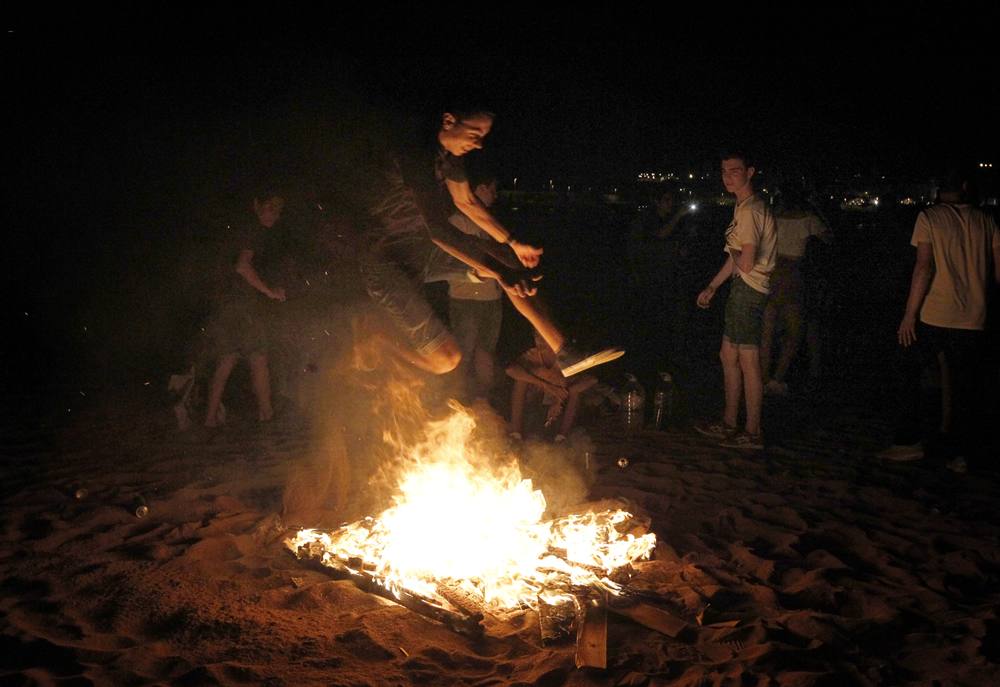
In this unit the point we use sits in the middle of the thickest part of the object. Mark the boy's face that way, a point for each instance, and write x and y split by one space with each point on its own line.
736 175
459 137
268 212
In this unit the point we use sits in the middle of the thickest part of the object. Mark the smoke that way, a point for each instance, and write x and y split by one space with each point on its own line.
560 470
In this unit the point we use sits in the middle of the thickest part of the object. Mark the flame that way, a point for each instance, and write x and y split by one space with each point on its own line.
459 517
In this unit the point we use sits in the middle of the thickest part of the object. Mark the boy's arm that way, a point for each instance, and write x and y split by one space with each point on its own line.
923 270
705 297
743 259
517 371
470 206
245 268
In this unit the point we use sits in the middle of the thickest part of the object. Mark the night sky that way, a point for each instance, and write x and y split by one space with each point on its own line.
120 137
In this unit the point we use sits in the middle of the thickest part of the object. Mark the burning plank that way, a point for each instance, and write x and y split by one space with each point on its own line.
592 635
456 619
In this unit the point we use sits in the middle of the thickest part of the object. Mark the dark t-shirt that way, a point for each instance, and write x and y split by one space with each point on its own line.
249 236
408 191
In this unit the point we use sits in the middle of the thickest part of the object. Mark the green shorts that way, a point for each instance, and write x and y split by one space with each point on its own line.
744 314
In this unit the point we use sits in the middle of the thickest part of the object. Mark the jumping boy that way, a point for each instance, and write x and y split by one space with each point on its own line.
409 240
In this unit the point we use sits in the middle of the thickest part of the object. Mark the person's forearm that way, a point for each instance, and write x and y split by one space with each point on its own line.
251 277
723 274
483 219
919 284
515 371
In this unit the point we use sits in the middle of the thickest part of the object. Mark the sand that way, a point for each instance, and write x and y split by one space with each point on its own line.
809 563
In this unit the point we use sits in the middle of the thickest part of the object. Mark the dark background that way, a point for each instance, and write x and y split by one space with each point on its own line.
128 147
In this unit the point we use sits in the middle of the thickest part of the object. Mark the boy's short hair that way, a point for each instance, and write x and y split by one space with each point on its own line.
956 177
268 188
467 108
738 154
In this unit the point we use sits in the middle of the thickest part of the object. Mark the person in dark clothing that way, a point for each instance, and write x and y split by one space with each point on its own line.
238 324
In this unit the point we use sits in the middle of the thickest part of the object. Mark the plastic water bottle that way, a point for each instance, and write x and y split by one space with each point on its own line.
663 401
633 405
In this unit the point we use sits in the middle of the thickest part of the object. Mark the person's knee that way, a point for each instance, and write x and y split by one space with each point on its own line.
444 358
729 354
749 357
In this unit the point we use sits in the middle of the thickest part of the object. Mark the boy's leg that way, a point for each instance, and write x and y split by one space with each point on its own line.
483 366
517 406
732 379
428 345
260 376
753 387
947 393
573 403
222 371
533 310
490 258
767 338
791 320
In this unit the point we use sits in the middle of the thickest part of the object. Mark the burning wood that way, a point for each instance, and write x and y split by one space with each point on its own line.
466 537
592 635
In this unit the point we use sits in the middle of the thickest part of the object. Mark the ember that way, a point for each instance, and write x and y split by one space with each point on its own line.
460 521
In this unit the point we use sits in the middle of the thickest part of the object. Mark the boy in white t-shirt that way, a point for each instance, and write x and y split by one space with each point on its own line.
751 249
945 317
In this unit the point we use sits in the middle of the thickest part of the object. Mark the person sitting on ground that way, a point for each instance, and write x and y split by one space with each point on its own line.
796 224
238 325
537 371
409 240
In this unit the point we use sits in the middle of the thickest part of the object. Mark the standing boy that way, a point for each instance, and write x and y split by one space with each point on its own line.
751 248
475 310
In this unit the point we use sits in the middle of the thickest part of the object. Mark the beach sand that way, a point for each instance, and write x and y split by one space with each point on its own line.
809 563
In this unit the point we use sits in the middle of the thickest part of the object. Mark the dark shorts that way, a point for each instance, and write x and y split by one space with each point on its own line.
394 268
959 345
744 314
475 324
239 325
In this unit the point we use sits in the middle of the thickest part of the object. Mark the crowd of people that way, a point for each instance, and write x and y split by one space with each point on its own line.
420 218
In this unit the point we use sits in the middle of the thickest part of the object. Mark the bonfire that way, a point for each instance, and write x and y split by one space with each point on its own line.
465 529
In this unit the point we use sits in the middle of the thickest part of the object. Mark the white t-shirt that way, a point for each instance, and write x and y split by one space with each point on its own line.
795 230
963 239
753 223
